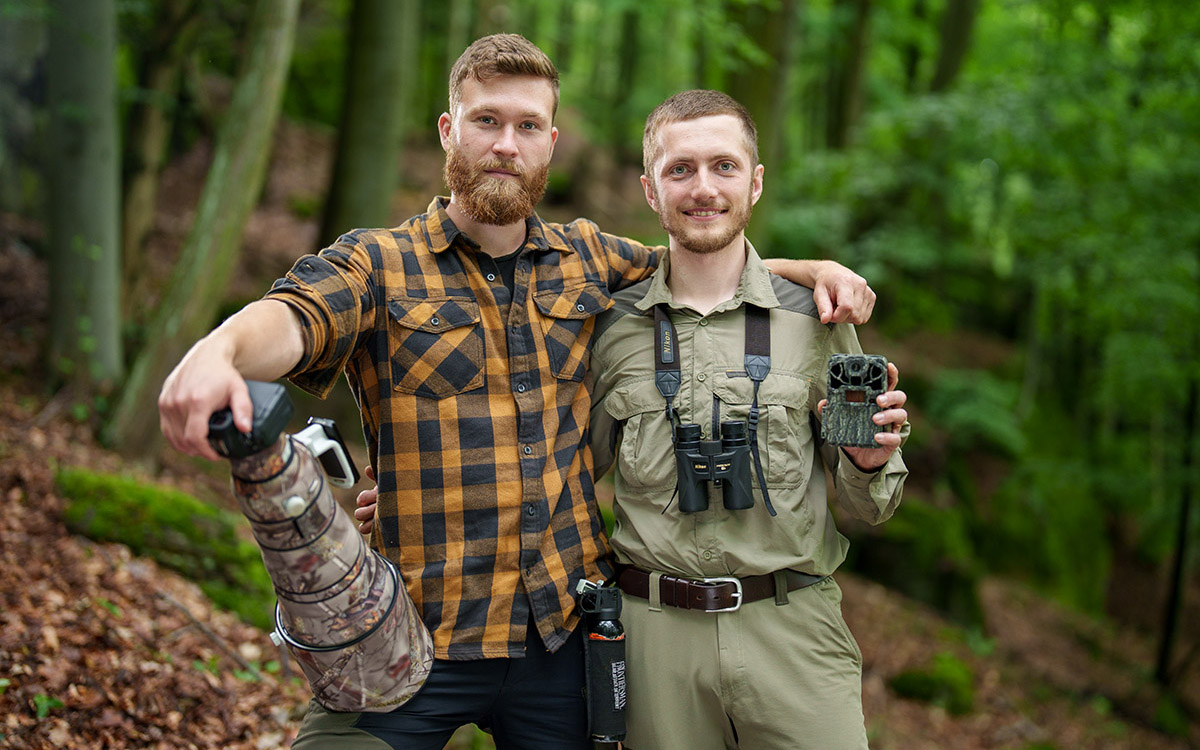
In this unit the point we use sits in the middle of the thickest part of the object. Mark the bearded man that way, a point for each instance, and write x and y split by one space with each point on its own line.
465 335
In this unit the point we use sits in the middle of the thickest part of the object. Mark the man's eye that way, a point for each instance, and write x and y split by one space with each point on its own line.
678 169
487 120
529 125
725 166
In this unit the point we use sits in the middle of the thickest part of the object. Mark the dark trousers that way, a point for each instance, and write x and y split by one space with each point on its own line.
533 703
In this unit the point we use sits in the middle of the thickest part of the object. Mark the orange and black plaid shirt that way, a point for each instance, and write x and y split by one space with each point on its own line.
475 410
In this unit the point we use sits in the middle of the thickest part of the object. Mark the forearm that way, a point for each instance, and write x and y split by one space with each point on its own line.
262 340
803 272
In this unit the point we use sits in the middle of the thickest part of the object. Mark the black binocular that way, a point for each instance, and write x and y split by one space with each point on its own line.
725 463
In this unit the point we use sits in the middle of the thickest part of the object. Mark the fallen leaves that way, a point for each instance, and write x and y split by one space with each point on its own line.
93 656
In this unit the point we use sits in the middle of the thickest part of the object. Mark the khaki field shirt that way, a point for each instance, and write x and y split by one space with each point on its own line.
475 408
630 431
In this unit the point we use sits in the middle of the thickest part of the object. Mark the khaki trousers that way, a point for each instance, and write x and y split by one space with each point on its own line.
764 677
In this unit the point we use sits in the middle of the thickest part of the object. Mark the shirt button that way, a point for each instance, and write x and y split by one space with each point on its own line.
531 510
434 320
491 277
707 554
700 377
528 450
520 388
580 307
704 321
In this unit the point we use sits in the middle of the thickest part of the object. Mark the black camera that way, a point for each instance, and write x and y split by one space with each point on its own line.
855 383
725 463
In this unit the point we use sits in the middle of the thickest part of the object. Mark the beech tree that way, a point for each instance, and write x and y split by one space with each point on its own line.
196 288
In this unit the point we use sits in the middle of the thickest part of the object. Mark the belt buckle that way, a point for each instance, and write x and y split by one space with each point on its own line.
737 592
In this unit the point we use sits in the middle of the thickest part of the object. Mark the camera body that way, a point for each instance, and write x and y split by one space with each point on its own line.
725 463
855 381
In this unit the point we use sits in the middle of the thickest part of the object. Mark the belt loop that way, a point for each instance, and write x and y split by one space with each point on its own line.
655 592
781 588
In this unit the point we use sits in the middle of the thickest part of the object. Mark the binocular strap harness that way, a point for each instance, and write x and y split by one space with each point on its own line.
668 375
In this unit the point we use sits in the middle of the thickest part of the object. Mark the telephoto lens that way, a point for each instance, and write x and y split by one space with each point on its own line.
692 469
736 449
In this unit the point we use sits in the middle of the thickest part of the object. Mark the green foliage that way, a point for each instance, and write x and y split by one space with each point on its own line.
976 410
314 89
1171 717
948 682
927 553
43 704
175 529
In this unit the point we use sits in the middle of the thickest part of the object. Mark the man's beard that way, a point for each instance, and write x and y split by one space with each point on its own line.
489 200
704 242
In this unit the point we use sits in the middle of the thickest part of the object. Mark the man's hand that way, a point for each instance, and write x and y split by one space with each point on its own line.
890 420
204 382
262 341
367 499
842 296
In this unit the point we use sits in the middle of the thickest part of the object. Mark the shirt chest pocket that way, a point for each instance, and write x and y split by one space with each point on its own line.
436 346
645 457
568 319
785 441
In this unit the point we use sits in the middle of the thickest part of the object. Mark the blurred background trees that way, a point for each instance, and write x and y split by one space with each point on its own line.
1016 178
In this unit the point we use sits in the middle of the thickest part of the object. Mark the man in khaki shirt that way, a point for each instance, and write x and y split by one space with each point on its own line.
760 658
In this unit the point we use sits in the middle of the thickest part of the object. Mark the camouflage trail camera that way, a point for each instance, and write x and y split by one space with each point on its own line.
855 382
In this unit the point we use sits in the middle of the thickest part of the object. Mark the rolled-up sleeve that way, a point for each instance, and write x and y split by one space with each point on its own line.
332 295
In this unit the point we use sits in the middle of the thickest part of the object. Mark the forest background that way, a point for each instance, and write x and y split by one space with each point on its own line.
1017 179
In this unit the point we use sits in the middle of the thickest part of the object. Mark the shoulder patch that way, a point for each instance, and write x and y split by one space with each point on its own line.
623 304
794 297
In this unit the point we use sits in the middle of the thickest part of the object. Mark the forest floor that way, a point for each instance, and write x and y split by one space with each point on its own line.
102 649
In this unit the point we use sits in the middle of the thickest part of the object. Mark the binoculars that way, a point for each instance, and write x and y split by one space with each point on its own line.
724 463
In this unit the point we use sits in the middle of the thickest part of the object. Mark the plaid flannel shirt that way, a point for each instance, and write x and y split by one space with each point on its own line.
475 410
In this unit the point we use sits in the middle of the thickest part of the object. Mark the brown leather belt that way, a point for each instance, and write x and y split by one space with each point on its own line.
720 594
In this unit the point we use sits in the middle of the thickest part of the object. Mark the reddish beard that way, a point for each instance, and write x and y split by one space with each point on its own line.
701 241
489 200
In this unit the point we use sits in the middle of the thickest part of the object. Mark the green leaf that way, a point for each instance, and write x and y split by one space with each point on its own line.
44 704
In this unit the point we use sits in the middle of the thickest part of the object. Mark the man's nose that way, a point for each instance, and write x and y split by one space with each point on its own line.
505 144
704 186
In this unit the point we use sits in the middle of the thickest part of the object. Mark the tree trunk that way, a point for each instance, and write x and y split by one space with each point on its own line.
846 72
765 87
372 127
955 34
240 157
83 174
912 49
1170 625
175 28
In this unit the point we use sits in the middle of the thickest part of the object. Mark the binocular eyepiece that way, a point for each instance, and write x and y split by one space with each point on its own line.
725 463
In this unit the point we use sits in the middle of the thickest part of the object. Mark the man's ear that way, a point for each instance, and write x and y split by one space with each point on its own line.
648 188
553 139
444 130
756 184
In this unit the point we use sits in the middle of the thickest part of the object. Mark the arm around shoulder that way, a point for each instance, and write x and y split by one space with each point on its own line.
842 296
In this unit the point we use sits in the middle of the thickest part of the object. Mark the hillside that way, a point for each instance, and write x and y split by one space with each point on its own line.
99 648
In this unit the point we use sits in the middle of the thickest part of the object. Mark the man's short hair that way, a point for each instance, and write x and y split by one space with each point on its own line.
497 55
692 105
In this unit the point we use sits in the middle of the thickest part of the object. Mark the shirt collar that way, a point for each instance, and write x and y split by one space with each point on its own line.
442 232
754 287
